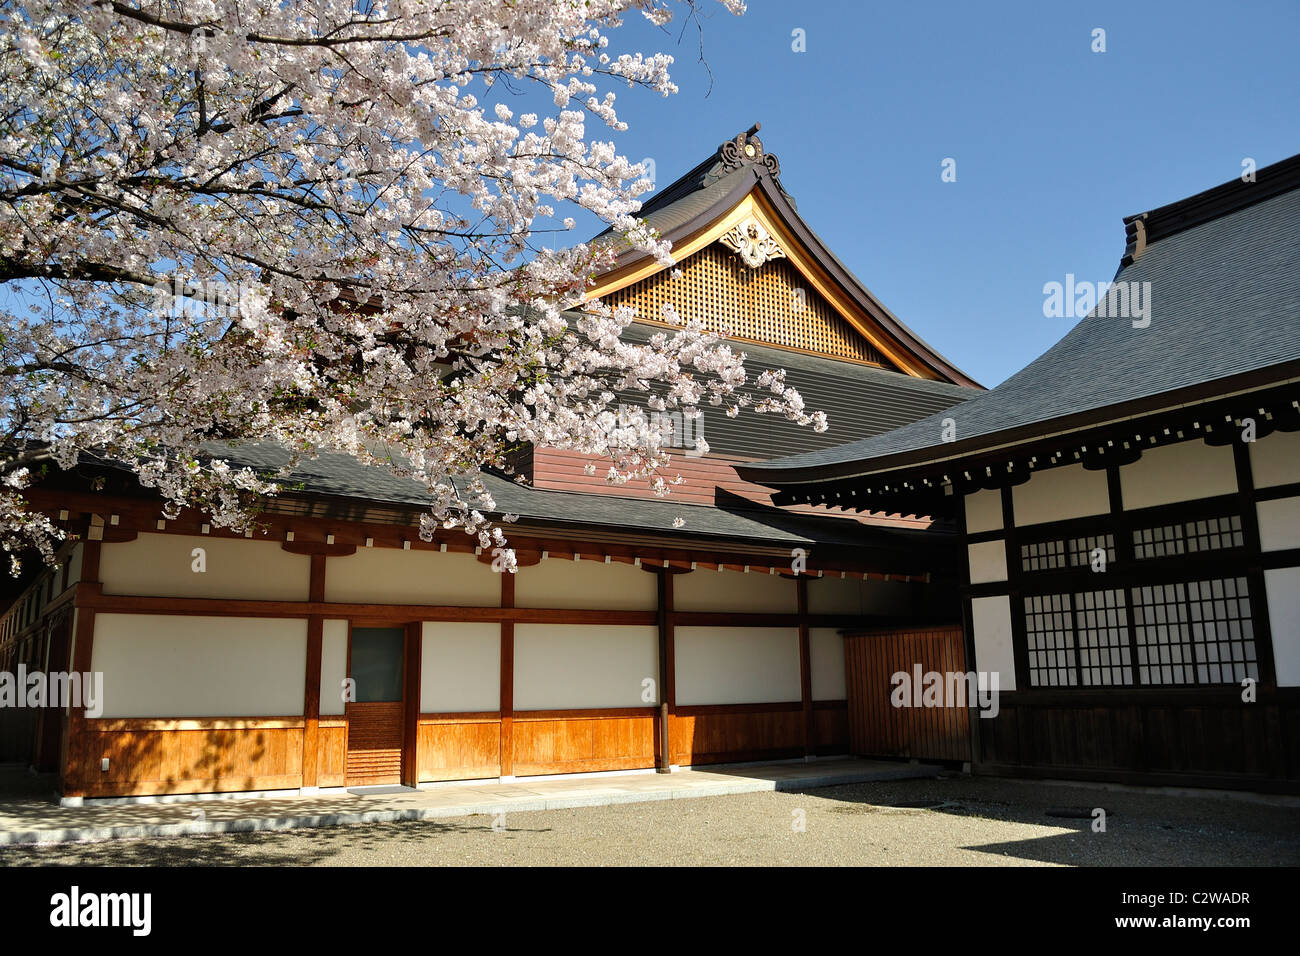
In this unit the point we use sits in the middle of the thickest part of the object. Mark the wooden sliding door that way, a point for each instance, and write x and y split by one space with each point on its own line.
376 715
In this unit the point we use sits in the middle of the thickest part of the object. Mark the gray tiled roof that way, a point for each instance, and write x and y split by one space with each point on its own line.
341 475
859 400
1225 300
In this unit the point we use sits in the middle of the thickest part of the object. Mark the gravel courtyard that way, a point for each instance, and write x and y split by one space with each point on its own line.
955 821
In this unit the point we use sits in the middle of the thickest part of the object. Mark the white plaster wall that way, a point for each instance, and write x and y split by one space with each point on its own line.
834 595
161 565
394 576
572 666
460 667
984 511
737 665
988 562
734 591
1059 494
1282 586
991 621
1279 524
1275 459
826 649
558 583
333 667
74 562
157 665
1182 472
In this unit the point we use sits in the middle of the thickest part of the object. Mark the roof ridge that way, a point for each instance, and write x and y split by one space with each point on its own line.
1144 228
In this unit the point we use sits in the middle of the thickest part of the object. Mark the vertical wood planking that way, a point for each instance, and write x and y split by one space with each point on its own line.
876 727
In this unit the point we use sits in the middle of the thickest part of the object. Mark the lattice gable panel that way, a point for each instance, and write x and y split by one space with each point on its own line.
772 304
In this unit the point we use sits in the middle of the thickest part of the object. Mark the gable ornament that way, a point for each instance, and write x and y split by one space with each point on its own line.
754 244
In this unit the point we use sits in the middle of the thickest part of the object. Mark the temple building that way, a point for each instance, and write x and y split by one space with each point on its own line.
335 648
1129 513
1108 544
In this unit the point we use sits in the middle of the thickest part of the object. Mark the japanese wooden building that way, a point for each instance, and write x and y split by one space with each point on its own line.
1129 513
333 647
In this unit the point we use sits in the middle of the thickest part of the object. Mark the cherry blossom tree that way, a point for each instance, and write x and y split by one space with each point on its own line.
326 224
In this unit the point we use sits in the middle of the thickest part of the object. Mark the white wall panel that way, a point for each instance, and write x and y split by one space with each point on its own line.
575 666
394 576
333 667
834 595
734 591
1283 588
162 565
158 665
736 665
988 562
1182 472
826 649
1275 459
1279 524
984 511
460 667
991 621
1059 494
559 583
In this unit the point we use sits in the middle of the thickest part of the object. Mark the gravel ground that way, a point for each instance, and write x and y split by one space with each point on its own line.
955 821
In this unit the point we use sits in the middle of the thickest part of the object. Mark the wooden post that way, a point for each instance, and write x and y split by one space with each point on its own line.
805 666
507 678
73 756
411 701
663 605
311 689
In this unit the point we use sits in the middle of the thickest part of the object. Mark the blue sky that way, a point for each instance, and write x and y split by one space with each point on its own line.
1053 143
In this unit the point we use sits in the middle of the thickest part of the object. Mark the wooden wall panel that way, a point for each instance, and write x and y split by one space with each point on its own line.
565 470
876 727
187 756
375 738
332 752
830 727
459 747
583 741
733 732
1193 737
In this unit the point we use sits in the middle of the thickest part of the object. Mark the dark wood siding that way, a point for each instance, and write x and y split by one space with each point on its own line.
879 729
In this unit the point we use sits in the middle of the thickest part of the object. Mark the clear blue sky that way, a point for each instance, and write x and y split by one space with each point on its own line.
1053 143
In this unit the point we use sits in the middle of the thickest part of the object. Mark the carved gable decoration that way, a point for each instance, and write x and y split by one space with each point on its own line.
754 244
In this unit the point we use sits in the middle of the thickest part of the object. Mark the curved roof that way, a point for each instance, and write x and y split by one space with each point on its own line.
1223 269
737 169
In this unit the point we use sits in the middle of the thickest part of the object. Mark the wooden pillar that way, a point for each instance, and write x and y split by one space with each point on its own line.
667 692
73 757
414 648
507 678
311 680
805 667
